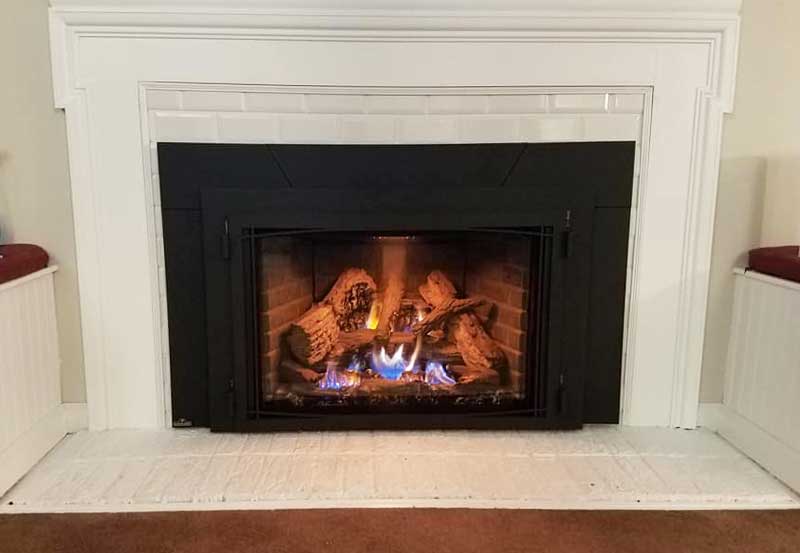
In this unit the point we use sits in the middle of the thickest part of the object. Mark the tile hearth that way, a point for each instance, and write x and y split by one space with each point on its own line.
598 467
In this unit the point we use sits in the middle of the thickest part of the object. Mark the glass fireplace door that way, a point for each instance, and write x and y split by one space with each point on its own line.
423 322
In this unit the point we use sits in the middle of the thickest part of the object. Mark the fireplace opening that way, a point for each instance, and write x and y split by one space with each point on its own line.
389 322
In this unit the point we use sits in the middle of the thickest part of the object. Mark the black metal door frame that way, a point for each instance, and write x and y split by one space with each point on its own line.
230 214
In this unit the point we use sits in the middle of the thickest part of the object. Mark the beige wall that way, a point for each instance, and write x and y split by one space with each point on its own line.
35 203
759 194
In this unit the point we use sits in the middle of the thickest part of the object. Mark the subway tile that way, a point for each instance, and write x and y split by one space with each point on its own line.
163 99
366 128
395 104
334 103
183 127
276 103
488 129
419 128
578 103
551 129
517 103
457 104
627 103
612 127
256 128
212 101
308 128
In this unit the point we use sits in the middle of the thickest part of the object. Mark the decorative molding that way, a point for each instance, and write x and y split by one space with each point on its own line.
714 22
771 453
682 49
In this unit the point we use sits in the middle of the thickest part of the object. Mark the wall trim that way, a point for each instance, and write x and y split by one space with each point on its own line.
27 450
775 456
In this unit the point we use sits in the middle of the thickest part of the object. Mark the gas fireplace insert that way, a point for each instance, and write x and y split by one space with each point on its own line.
408 304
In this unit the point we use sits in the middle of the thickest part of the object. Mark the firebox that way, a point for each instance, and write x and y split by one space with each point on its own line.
363 287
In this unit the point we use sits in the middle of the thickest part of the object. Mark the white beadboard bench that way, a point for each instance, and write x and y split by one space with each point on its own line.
32 417
760 412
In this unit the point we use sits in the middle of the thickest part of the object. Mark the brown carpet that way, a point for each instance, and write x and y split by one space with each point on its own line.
406 530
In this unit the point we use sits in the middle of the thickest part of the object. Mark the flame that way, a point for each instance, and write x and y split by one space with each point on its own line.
374 314
435 375
393 367
335 380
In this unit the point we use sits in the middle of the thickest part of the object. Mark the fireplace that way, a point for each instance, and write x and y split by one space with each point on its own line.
416 286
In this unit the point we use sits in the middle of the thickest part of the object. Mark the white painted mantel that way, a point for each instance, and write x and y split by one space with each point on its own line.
129 73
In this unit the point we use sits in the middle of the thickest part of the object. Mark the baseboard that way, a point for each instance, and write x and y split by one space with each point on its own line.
778 458
19 457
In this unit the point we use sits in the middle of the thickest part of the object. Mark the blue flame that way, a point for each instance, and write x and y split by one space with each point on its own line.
435 375
335 380
357 364
390 368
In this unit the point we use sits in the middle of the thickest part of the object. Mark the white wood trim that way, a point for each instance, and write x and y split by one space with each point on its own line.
28 278
758 444
687 57
769 279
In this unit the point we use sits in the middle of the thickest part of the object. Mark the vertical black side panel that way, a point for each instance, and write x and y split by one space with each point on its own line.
185 171
606 315
183 249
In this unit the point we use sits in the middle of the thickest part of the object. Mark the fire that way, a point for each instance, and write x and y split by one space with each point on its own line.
390 367
335 380
435 375
374 314
393 367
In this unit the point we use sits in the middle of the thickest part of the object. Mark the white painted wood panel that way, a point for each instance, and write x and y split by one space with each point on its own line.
30 380
762 376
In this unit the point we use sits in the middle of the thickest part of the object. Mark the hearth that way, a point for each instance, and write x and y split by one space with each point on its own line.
451 286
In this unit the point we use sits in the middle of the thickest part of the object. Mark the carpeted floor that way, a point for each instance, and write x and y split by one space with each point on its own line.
406 530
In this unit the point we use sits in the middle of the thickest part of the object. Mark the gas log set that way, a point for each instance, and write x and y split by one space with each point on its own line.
364 341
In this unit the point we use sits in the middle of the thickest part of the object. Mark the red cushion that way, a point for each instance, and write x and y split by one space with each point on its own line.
782 262
18 260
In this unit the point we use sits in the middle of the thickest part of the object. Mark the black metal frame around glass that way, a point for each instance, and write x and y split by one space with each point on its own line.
233 219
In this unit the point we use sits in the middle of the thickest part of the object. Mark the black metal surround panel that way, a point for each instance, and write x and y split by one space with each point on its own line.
595 177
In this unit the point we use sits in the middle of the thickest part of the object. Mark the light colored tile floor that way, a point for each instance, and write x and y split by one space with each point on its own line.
598 467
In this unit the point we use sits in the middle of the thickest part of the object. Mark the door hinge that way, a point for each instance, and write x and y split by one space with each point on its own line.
225 240
566 232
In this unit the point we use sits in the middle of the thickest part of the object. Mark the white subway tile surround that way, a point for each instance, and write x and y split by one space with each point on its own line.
351 118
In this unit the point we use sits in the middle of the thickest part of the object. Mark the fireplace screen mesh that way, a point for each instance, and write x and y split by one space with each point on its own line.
386 322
